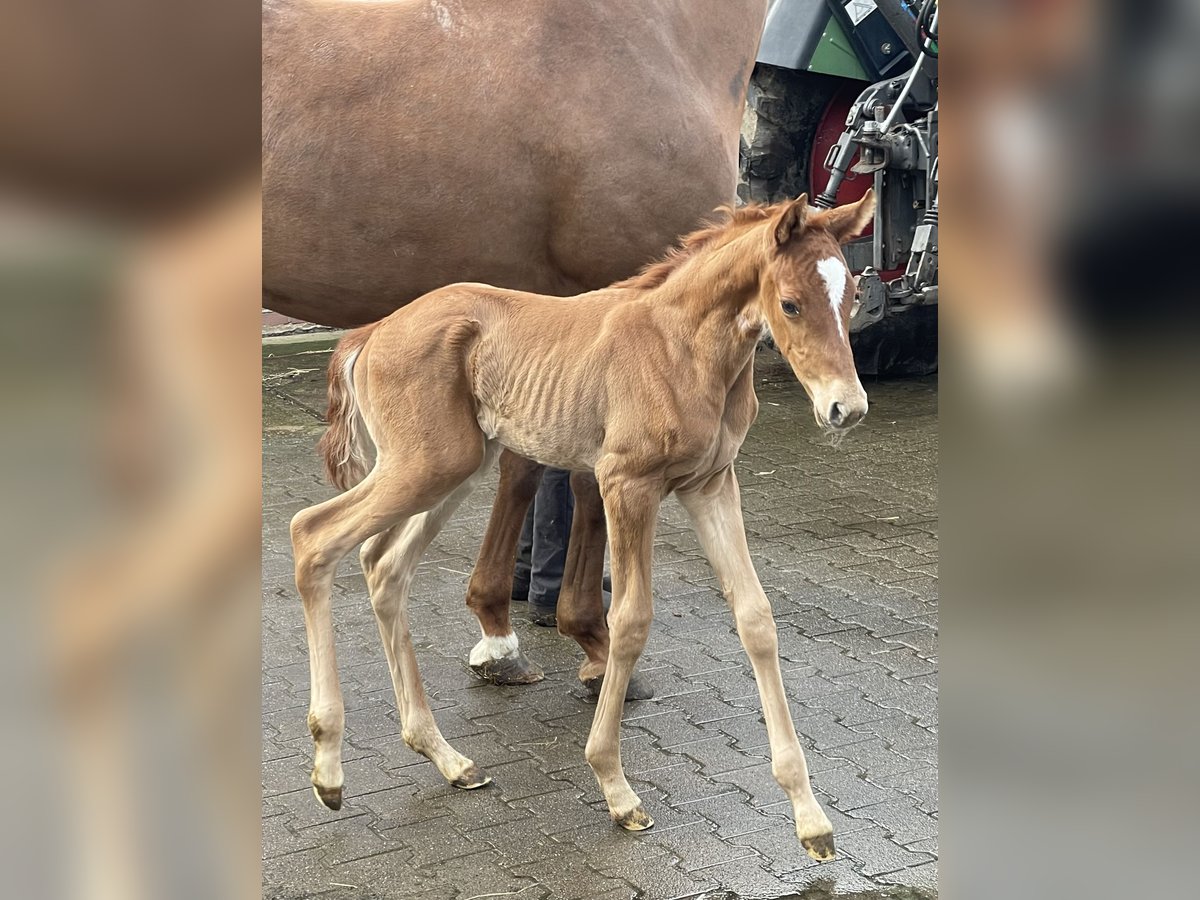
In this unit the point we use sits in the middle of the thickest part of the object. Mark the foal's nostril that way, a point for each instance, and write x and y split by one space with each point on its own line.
837 415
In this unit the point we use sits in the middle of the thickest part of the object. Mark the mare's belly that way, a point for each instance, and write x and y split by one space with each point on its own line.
552 442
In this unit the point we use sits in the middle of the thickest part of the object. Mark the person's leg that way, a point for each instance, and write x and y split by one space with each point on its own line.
552 509
521 571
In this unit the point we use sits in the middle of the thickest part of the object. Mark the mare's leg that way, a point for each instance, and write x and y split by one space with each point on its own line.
321 536
581 601
715 509
390 561
631 505
497 656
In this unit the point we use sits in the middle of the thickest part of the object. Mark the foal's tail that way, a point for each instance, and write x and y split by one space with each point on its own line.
344 446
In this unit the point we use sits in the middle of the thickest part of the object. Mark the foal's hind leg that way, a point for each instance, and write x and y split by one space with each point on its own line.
497 657
390 562
321 536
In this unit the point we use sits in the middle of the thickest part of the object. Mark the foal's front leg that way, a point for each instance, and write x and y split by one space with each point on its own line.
631 505
715 509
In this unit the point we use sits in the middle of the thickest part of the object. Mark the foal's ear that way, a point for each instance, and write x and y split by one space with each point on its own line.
790 220
847 222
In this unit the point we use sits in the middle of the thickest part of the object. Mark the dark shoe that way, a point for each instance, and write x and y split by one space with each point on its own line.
520 592
546 616
606 583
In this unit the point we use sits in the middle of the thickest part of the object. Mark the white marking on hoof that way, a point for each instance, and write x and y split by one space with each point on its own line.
490 648
833 272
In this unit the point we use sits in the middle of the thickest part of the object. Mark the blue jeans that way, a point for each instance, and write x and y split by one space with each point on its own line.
542 551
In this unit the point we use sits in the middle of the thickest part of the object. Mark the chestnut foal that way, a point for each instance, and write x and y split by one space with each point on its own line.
649 385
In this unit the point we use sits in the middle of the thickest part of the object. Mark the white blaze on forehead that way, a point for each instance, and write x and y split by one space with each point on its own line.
833 272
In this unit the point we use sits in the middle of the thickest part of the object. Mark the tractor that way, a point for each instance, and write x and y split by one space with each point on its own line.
844 97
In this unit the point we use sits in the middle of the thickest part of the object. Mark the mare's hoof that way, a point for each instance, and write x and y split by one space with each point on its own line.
638 688
330 797
509 670
637 819
471 779
820 847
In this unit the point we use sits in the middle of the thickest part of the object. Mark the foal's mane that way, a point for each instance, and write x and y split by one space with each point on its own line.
655 273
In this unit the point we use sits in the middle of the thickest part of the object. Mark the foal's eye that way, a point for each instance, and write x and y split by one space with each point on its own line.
790 308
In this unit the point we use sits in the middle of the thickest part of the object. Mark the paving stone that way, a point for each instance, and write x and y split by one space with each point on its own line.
717 755
278 839
850 708
732 815
680 783
923 642
756 782
902 735
698 848
878 855
874 757
670 728
521 779
903 663
849 788
902 822
822 731
654 878
924 877
834 878
920 784
749 732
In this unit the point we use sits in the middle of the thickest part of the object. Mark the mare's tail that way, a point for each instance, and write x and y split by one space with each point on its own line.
344 444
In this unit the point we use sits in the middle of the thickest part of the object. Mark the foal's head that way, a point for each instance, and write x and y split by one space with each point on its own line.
807 297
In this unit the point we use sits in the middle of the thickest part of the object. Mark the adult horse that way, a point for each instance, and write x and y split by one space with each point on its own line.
552 146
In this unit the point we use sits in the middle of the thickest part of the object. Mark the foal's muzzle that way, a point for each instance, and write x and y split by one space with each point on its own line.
841 407
845 415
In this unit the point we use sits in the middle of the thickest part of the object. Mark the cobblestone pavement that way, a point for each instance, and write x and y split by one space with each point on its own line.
845 540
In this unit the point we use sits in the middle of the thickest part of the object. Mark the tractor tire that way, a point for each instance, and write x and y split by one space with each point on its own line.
783 109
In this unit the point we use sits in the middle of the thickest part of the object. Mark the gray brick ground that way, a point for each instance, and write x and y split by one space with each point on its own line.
846 545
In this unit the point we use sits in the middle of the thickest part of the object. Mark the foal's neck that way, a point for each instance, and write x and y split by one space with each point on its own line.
717 291
721 281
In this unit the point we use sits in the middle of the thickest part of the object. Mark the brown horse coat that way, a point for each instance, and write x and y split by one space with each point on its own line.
552 146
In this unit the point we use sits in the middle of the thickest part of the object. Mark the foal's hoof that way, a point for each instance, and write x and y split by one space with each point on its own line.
509 670
637 819
820 847
637 689
330 797
471 779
